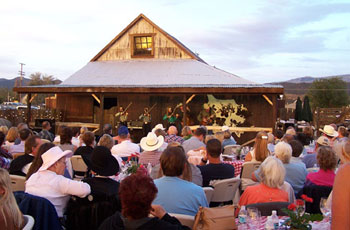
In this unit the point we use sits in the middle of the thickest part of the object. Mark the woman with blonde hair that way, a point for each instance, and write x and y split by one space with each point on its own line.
260 151
4 129
11 217
11 137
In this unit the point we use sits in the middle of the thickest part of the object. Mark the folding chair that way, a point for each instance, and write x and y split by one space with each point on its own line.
230 149
29 222
17 183
78 165
246 174
225 190
186 220
208 193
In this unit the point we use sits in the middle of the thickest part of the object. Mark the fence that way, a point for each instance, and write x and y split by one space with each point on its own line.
20 115
326 116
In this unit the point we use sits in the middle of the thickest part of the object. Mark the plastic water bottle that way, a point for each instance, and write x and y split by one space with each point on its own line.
274 219
269 224
149 168
242 219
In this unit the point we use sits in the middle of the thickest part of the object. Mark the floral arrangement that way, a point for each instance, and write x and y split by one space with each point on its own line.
298 219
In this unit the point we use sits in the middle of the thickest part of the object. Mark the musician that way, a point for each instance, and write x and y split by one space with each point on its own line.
206 116
122 116
169 118
146 118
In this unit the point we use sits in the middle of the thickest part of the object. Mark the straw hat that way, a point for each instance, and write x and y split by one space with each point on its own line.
151 142
225 128
329 131
52 155
324 141
159 126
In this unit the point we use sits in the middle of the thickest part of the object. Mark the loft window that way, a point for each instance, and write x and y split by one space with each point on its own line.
143 45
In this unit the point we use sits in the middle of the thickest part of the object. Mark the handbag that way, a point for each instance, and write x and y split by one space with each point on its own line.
218 218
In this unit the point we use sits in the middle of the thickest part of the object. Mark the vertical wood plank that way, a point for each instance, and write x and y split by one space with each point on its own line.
102 100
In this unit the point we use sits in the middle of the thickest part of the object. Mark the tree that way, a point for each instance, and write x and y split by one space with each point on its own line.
298 110
306 113
328 93
42 79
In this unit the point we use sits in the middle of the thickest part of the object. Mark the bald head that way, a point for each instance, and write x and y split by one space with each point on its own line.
172 130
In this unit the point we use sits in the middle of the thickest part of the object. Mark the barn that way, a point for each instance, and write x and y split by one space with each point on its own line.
144 66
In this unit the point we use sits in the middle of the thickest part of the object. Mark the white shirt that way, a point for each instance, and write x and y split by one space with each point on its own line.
76 141
17 148
56 188
125 149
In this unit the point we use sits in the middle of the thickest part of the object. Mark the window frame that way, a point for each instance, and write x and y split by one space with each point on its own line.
132 45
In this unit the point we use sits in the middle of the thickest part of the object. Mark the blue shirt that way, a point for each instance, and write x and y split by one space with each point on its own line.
310 160
192 143
179 196
229 141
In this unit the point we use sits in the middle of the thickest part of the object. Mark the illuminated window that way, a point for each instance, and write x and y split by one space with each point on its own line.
143 45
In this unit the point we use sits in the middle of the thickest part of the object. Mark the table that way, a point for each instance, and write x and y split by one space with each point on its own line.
237 164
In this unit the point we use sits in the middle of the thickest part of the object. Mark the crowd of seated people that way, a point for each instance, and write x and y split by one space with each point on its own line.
174 185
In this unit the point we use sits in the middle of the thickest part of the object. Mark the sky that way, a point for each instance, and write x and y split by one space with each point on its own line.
260 40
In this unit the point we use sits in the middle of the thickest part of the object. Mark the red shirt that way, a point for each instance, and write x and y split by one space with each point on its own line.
262 194
321 178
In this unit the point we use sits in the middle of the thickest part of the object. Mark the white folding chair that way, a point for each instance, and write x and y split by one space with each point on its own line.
225 190
17 183
29 222
246 174
230 149
78 164
208 193
186 220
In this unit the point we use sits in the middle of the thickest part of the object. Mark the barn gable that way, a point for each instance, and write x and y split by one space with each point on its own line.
144 39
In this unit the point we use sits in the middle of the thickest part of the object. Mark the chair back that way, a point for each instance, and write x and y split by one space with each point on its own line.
266 208
230 149
29 222
316 192
248 168
78 164
224 190
185 220
17 183
209 191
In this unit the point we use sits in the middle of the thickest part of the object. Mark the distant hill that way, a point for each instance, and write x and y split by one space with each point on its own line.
10 83
308 79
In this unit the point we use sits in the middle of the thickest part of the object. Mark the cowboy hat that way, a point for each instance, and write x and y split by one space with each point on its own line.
52 155
103 162
329 131
151 142
324 141
159 126
225 128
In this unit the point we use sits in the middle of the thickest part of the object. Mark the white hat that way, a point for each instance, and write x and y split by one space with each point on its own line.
225 128
52 155
329 131
159 126
151 142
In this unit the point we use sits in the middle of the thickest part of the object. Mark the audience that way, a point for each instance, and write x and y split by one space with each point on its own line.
341 199
66 135
45 132
21 164
108 142
20 126
186 197
89 144
150 145
4 129
125 148
11 217
272 175
215 170
260 151
186 133
172 136
297 149
75 138
57 139
136 194
3 152
48 181
195 141
228 139
19 148
309 134
291 131
271 143
161 132
342 134
310 159
107 129
327 161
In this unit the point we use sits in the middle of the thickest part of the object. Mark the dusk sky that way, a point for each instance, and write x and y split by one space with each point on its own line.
263 41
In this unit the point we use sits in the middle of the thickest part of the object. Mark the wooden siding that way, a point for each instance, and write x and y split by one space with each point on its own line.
77 108
164 48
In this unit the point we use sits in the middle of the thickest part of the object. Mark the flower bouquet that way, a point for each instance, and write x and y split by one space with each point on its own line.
298 219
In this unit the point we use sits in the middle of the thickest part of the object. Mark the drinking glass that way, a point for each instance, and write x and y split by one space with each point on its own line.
324 207
253 217
300 206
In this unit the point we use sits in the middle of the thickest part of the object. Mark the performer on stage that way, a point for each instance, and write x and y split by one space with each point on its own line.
145 117
122 117
169 118
206 116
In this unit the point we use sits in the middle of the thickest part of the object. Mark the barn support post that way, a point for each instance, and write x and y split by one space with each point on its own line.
184 106
102 102
29 107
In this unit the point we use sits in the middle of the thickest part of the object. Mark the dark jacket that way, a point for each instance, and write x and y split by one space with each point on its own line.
18 164
117 222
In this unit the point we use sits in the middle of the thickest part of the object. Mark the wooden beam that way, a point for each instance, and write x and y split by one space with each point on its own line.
102 99
31 100
236 129
29 107
96 98
267 99
184 117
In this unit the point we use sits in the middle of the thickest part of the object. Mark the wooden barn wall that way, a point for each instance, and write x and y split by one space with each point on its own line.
76 107
163 47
